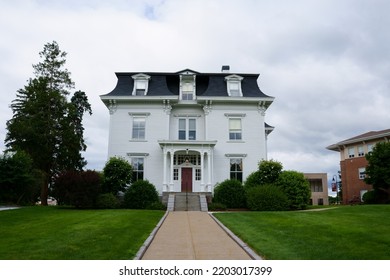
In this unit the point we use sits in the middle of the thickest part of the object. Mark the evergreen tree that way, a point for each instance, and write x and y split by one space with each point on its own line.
45 124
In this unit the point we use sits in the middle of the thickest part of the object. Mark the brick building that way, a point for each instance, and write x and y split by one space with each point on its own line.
353 162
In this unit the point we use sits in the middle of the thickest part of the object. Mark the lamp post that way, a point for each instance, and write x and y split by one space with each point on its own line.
335 183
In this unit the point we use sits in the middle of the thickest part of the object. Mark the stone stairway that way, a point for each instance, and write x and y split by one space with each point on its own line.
185 201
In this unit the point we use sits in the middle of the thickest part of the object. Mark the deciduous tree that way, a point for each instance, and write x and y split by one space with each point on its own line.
378 169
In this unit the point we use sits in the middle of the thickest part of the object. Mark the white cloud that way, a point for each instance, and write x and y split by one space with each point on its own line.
325 62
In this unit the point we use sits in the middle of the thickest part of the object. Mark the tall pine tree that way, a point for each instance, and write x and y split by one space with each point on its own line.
45 124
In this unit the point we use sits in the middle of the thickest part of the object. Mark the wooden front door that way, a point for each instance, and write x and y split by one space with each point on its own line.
186 179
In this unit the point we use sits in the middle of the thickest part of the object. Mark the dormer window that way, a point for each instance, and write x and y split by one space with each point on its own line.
187 87
233 83
141 83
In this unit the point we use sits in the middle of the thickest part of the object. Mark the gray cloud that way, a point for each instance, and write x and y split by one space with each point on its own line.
325 62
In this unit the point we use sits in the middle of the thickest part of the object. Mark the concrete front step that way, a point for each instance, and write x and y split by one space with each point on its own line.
176 201
187 202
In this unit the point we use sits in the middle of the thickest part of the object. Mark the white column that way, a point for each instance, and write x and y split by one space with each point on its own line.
202 170
171 172
165 186
210 163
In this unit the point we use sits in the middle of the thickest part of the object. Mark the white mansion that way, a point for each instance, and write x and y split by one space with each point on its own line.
187 131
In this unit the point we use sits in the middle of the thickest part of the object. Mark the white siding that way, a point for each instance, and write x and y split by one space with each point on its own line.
162 126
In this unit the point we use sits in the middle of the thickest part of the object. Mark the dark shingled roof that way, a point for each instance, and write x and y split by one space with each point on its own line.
167 84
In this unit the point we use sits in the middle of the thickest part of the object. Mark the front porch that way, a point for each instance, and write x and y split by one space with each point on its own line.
187 166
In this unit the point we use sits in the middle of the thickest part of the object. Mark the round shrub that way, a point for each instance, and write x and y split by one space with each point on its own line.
296 187
117 175
230 193
107 201
140 195
253 180
370 197
267 198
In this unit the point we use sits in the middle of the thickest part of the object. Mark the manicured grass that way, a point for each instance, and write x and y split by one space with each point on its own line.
53 233
343 233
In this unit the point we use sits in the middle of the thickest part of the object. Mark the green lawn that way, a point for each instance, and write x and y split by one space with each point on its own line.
343 233
53 233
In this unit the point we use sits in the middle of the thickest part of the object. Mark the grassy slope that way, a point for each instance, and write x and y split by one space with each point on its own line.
358 232
55 233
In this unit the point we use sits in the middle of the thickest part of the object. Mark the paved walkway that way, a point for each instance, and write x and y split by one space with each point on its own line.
194 235
8 207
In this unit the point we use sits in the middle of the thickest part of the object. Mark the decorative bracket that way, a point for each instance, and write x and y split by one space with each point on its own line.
261 108
167 107
207 107
112 106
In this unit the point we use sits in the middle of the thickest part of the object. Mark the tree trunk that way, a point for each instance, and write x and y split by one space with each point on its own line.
44 190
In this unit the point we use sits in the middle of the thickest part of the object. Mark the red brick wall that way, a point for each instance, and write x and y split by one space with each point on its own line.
351 184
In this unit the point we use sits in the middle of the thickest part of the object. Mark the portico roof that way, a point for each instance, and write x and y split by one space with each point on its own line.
186 143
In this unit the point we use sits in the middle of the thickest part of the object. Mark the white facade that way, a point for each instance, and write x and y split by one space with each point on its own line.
185 140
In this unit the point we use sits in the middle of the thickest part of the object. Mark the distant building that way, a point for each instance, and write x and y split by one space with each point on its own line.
319 188
353 162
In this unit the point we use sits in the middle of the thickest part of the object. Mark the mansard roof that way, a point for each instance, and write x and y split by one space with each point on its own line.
168 84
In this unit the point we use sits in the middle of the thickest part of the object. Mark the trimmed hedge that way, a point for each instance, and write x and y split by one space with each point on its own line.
230 193
267 198
107 201
77 188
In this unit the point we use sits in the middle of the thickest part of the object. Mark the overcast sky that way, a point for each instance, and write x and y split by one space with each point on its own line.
327 63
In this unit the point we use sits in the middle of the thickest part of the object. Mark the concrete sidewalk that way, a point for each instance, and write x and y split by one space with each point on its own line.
8 207
194 235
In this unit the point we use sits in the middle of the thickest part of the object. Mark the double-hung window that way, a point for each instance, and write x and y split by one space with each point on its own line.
138 132
362 173
236 169
138 168
187 129
187 86
182 129
191 129
235 130
351 152
234 88
187 92
140 87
